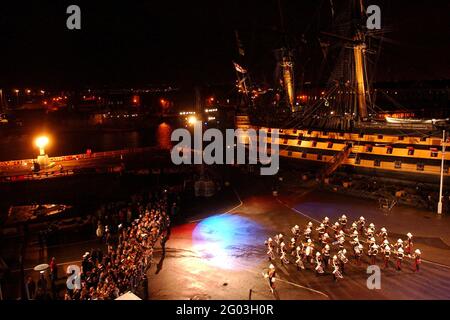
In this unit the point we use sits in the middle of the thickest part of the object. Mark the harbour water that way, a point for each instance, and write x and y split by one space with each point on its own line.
21 145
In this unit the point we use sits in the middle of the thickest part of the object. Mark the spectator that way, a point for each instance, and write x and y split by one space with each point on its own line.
130 243
30 288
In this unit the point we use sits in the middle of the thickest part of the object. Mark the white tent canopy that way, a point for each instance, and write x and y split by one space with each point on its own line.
128 296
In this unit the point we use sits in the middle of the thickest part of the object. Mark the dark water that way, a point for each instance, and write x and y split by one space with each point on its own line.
21 146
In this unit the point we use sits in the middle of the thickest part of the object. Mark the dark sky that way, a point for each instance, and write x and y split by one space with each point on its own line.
188 42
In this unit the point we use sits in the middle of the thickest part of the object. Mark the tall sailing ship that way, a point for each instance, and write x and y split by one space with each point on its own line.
341 126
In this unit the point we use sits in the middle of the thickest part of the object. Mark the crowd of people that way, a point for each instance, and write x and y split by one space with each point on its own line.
131 232
324 247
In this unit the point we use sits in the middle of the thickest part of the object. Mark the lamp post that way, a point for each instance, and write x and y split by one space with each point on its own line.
41 142
439 209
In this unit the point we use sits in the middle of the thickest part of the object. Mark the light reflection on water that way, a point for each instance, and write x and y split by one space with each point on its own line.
21 146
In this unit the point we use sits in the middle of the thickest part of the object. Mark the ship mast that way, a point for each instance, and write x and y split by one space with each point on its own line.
359 51
286 64
287 68
359 54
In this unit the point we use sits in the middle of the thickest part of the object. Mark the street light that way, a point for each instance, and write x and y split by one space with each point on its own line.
41 143
192 119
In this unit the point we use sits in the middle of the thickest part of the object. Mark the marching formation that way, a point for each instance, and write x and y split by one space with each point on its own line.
322 248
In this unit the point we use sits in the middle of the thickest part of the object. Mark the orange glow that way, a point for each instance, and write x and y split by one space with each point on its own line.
136 100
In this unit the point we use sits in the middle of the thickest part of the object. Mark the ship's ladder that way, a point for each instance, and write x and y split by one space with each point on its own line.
335 162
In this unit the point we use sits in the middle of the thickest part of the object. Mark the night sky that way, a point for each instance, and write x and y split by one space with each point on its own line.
137 43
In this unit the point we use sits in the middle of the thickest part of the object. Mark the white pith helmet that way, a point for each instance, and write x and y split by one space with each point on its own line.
400 250
309 241
317 253
271 266
344 216
361 218
409 235
326 219
417 251
383 229
327 247
399 241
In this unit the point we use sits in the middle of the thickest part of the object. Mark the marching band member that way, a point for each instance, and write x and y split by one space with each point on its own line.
309 249
354 228
361 223
342 259
409 244
278 238
296 232
326 222
326 255
283 258
343 221
270 253
271 276
354 238
383 233
307 233
335 227
400 256
399 244
292 246
341 239
417 260
370 242
369 232
336 273
387 255
321 230
299 258
383 246
358 249
319 267
373 253
325 238
269 242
